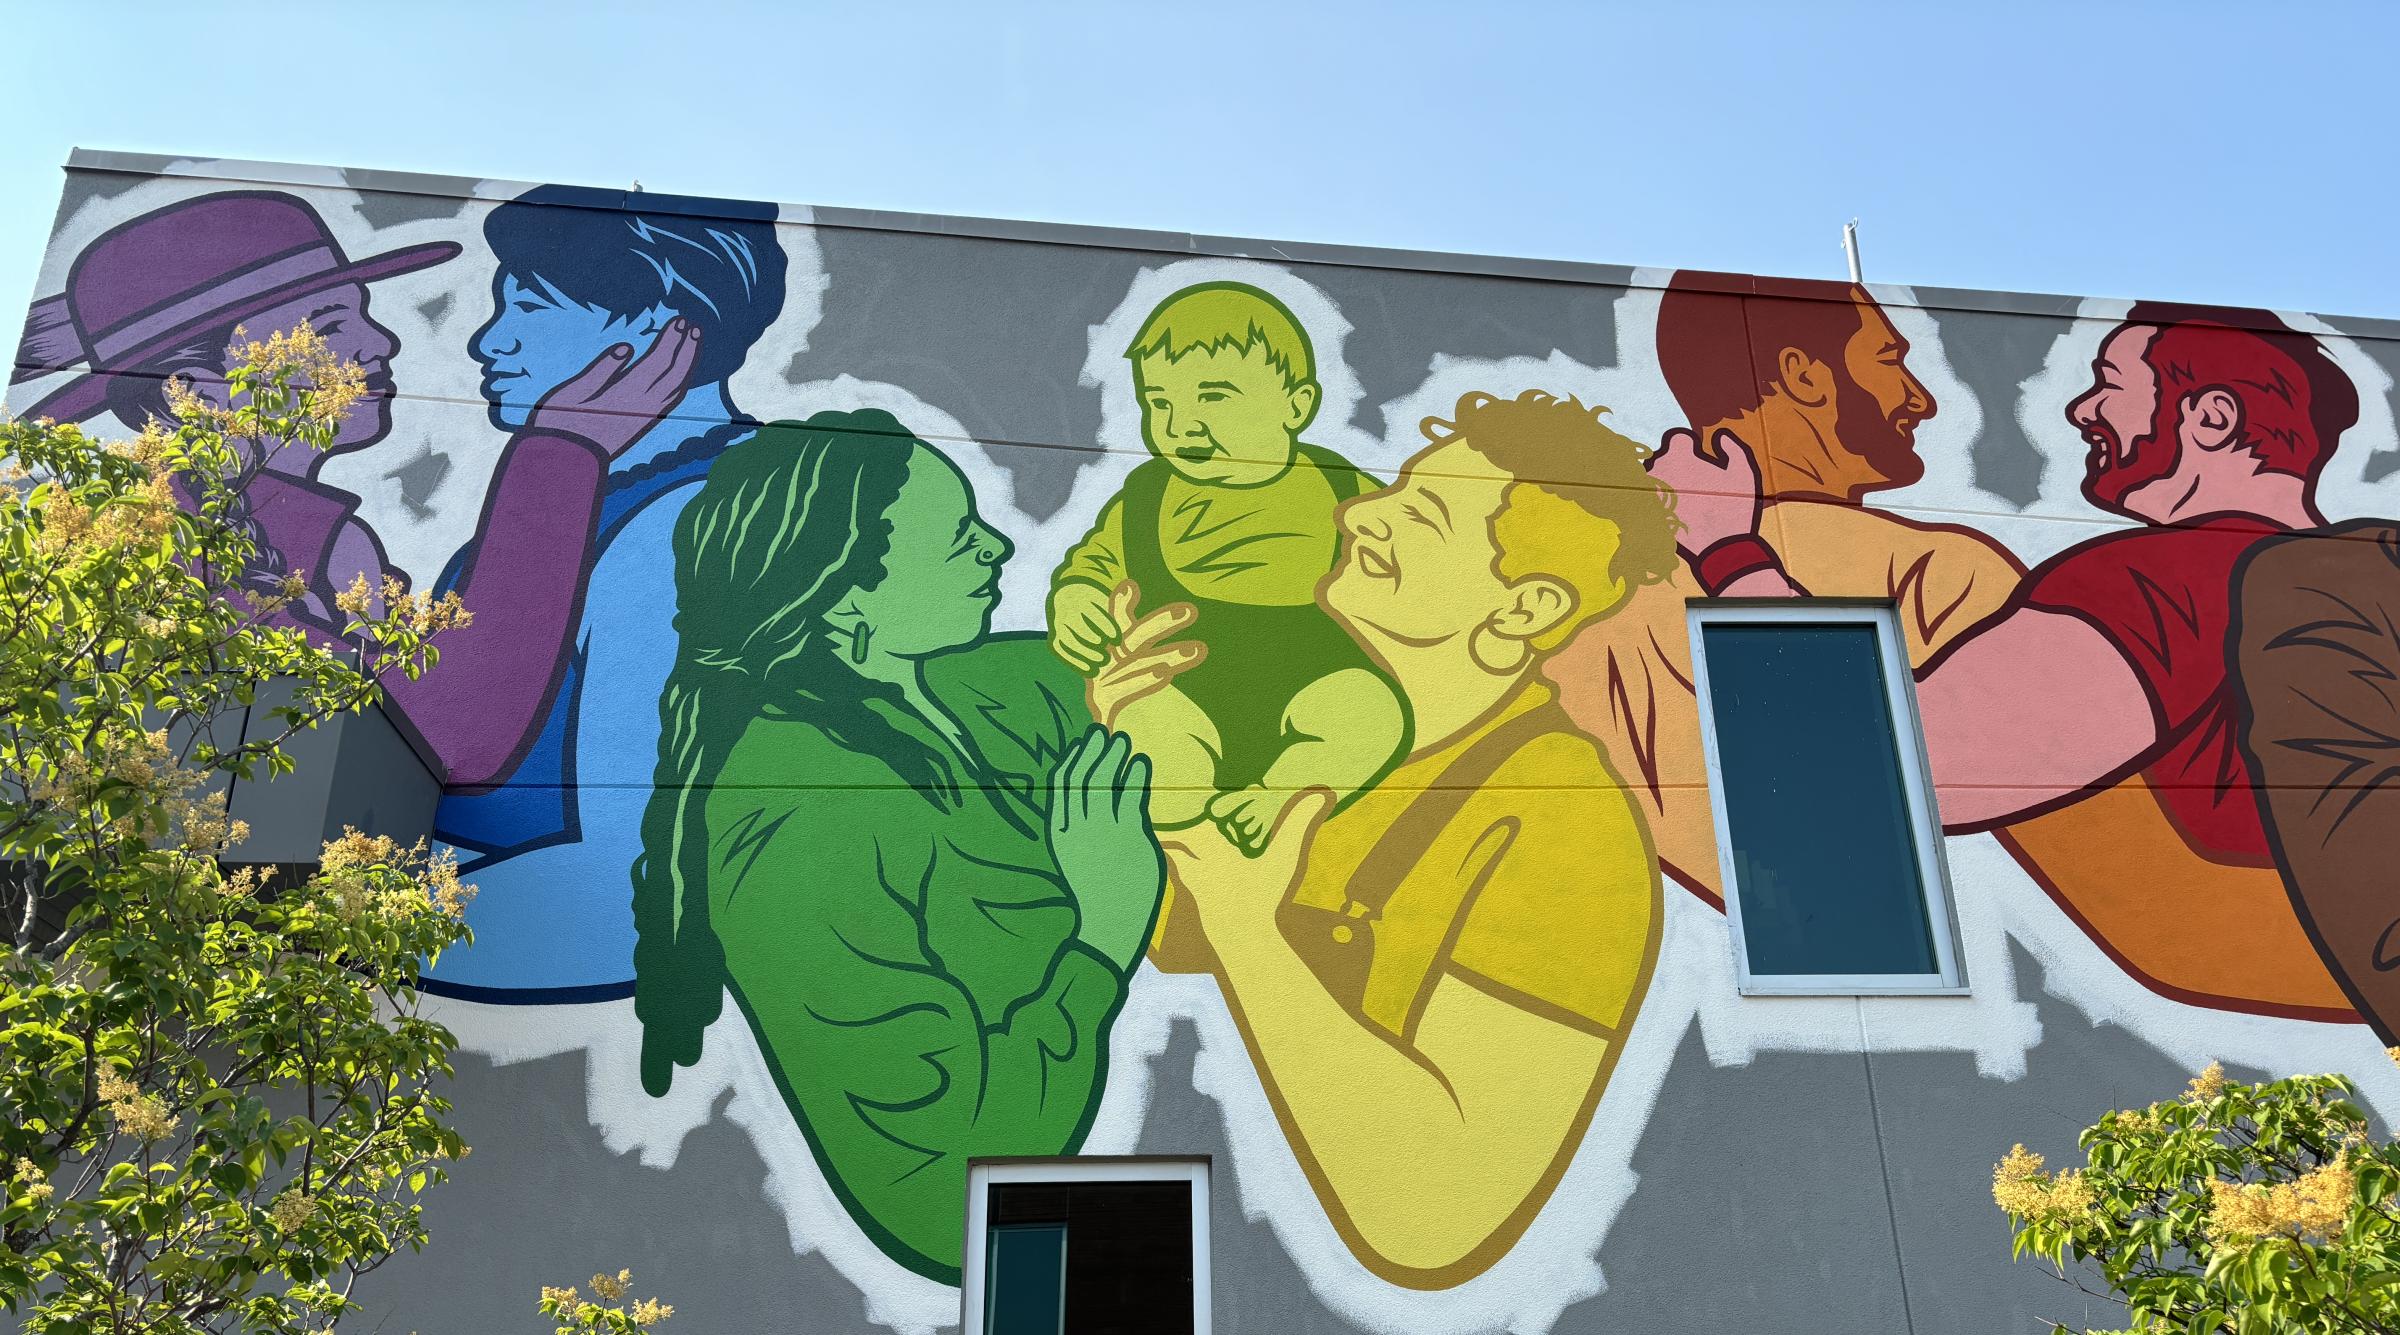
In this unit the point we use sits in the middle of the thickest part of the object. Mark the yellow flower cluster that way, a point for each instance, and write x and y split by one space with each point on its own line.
2315 1205
2020 1187
292 1210
137 759
264 599
64 786
35 1182
153 449
298 358
347 860
450 894
207 829
357 852
419 613
645 1312
138 517
143 761
359 600
188 405
245 882
350 897
141 1116
304 353
2146 1122
2206 1085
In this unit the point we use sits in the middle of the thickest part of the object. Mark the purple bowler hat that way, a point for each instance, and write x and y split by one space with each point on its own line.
178 272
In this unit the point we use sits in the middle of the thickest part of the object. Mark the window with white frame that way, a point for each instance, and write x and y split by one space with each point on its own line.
1826 833
1088 1246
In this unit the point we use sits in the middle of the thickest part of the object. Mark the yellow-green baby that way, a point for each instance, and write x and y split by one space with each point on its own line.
1233 514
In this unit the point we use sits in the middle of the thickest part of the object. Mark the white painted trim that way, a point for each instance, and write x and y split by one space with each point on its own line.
1933 871
983 1175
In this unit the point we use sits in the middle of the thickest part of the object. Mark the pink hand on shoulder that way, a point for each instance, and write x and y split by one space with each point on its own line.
1715 499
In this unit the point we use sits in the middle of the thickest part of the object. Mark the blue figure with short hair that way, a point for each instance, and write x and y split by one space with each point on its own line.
582 278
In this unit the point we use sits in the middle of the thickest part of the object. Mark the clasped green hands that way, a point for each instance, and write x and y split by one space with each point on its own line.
1100 837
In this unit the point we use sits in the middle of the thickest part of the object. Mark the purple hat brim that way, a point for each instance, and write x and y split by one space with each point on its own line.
87 394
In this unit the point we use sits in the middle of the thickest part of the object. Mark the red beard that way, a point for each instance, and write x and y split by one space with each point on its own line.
2112 472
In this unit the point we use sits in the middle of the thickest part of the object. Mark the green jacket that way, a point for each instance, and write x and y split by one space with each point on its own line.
910 965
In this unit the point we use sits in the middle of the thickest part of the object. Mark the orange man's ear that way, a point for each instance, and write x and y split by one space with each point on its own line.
1803 379
2212 418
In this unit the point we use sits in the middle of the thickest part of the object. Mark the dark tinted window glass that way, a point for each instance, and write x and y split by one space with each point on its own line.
1089 1258
1026 1289
1809 757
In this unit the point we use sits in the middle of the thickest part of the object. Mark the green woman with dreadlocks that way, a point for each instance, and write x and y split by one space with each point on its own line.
892 837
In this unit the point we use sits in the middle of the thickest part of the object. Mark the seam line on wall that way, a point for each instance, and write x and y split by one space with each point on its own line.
1883 1167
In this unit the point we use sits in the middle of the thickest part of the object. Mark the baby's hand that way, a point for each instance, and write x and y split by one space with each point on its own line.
1248 815
1082 626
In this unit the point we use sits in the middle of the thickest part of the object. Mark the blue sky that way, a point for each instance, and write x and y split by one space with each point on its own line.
2242 153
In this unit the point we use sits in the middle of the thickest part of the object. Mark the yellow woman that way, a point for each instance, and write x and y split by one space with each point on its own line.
1435 983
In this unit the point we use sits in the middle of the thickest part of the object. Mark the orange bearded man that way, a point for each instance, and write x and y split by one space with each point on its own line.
1814 377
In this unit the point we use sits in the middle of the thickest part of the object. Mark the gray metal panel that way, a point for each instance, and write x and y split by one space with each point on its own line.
351 770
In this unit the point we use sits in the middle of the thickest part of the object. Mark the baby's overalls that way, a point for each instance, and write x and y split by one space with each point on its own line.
1259 656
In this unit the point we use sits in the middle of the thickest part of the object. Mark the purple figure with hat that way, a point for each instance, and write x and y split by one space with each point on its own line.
159 297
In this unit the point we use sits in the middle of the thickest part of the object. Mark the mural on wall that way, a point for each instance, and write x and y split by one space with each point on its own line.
1370 753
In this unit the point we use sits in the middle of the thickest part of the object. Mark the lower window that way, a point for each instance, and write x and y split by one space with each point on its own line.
1087 1247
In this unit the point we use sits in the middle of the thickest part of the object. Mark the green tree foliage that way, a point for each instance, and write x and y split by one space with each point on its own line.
215 1089
2260 1209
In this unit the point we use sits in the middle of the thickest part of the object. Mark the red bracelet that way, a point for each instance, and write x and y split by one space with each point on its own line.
1728 559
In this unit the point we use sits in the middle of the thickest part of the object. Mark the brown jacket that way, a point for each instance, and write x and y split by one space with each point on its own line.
2316 645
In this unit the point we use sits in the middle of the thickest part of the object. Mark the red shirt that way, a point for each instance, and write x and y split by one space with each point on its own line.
2164 598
